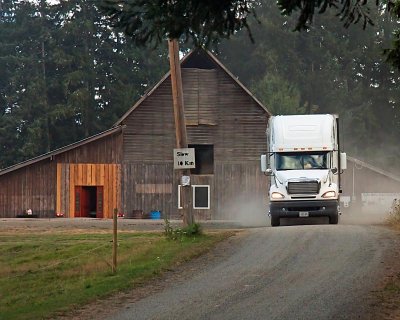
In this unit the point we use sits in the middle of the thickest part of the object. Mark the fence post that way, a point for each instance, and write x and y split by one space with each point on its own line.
114 258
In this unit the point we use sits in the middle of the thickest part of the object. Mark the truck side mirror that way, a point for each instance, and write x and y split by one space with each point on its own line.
343 161
264 166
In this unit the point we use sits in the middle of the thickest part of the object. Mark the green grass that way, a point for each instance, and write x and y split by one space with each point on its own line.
44 274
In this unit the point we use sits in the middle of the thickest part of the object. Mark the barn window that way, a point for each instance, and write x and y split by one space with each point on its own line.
204 158
201 197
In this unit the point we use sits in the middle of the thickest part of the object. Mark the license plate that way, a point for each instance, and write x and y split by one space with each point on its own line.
303 214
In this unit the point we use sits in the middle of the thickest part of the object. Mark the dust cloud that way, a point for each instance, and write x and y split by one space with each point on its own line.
360 217
248 210
374 208
252 211
378 212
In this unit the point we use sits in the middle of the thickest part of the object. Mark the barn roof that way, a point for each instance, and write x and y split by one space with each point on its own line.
373 168
197 58
62 149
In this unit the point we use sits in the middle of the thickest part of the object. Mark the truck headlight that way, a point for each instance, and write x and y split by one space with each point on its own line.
329 194
277 195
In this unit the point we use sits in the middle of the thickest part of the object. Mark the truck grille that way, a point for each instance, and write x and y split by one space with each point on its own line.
303 187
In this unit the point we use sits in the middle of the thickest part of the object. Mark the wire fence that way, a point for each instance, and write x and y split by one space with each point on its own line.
59 262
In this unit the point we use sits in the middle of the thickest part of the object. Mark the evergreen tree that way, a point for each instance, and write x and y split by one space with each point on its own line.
22 88
65 75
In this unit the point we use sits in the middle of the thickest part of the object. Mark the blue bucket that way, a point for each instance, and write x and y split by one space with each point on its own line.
155 215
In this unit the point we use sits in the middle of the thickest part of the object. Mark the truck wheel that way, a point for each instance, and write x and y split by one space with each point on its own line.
275 221
334 219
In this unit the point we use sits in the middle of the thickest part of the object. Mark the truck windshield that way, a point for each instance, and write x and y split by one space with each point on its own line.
301 161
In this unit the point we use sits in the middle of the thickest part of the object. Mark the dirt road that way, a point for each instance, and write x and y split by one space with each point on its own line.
295 272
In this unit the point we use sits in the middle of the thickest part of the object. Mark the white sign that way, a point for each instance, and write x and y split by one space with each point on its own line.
184 158
185 181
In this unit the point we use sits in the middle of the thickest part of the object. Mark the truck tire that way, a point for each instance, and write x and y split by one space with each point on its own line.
275 221
334 219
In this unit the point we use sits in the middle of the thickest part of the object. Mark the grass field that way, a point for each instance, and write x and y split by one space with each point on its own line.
42 274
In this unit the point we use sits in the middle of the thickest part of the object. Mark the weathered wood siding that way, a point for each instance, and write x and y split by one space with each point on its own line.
31 187
218 112
147 187
200 96
150 130
71 175
105 150
238 131
242 190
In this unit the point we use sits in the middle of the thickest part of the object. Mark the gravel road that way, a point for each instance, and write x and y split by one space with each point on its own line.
293 272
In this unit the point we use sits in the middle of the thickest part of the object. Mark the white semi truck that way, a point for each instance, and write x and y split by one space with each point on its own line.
304 163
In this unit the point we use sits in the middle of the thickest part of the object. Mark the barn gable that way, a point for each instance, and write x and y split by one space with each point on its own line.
198 59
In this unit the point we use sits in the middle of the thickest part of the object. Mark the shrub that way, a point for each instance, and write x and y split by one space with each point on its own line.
191 230
394 215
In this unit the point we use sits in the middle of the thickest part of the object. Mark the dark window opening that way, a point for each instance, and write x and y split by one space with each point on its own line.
204 158
201 197
90 201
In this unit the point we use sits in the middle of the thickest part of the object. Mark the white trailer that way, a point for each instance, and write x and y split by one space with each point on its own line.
305 164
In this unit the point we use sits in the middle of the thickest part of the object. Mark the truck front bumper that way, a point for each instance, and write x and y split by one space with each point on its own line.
306 208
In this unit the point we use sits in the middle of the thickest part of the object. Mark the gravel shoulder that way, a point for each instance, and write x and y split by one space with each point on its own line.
98 225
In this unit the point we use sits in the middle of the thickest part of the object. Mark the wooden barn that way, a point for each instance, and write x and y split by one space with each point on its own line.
129 168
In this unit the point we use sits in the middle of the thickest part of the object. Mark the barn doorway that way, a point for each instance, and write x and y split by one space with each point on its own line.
89 201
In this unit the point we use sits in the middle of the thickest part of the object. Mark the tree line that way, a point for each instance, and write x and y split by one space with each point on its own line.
66 75
326 69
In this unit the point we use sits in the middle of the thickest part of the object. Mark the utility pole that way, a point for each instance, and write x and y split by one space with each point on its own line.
180 126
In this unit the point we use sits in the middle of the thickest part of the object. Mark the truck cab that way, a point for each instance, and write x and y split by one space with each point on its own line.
304 163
